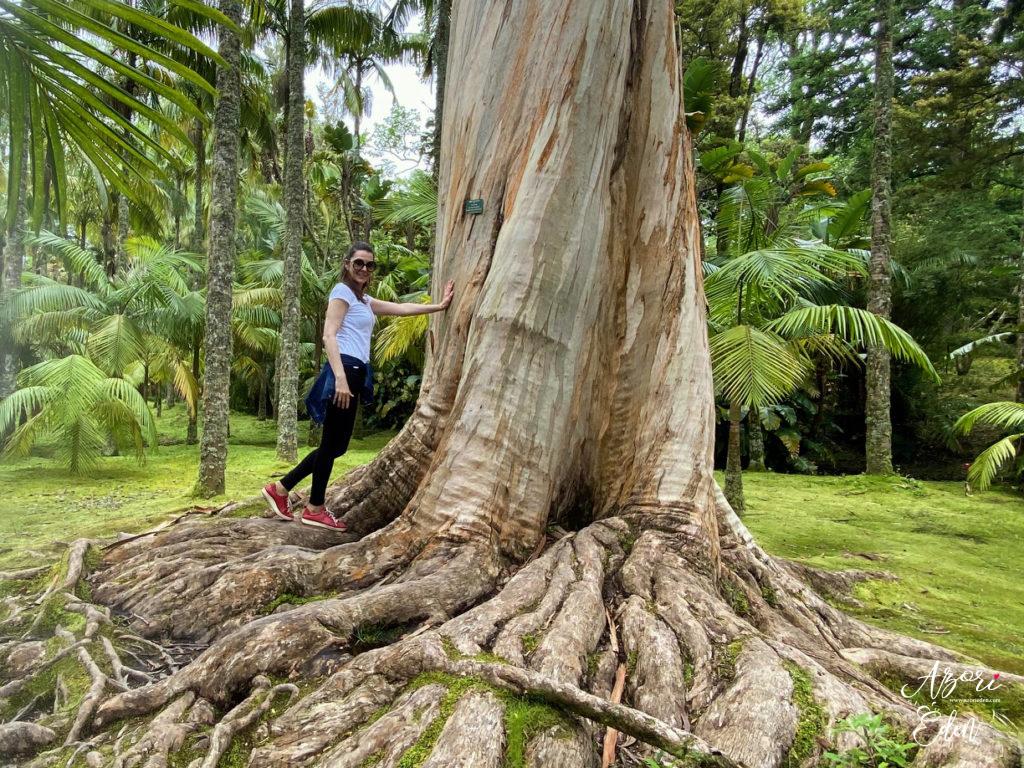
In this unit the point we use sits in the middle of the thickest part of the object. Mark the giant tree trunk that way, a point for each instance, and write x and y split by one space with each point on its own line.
287 416
569 382
213 448
878 434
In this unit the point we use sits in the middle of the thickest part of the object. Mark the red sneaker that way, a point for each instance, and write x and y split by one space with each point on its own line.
322 519
278 501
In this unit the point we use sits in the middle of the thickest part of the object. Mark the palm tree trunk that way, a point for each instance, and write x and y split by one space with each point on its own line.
199 225
733 463
123 214
878 436
444 10
294 187
1020 316
213 449
14 261
107 237
261 404
192 436
755 441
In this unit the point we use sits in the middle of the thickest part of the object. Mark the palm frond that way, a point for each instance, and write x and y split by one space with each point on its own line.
1005 415
114 343
856 326
754 367
987 465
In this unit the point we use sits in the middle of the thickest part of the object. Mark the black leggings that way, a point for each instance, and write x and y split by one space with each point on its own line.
333 442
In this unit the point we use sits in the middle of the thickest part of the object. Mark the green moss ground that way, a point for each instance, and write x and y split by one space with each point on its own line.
51 507
958 558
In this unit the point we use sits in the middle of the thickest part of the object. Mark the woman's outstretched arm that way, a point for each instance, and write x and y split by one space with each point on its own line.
412 308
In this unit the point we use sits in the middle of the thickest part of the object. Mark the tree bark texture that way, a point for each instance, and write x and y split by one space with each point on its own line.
294 186
13 264
199 184
461 622
734 460
878 417
755 441
1020 315
213 448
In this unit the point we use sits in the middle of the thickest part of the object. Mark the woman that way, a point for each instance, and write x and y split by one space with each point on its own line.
351 314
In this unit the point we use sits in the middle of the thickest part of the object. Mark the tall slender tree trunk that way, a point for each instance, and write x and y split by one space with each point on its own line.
107 241
570 380
734 461
14 263
192 431
199 209
1020 314
878 433
755 441
287 415
444 10
123 228
261 402
213 449
748 101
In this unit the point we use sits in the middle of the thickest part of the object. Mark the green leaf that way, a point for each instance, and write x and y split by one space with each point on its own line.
989 462
754 367
1005 415
856 326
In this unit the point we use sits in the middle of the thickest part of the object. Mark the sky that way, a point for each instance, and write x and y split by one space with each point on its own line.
410 91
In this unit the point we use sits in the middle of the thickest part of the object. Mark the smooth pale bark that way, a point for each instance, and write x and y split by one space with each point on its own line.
878 417
213 449
294 187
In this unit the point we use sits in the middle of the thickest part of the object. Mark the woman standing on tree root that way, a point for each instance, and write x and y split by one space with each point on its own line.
351 314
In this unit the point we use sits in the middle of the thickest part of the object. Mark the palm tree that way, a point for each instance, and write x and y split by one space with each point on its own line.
221 260
878 420
75 402
766 323
53 55
118 322
329 28
1006 416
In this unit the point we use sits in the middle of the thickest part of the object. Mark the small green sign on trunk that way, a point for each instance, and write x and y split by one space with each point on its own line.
474 206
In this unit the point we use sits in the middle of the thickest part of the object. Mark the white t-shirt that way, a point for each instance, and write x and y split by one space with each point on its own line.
354 334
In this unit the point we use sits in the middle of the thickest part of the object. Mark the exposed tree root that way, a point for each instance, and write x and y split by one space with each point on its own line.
712 666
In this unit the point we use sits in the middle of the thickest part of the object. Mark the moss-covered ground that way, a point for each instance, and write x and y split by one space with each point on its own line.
958 558
48 507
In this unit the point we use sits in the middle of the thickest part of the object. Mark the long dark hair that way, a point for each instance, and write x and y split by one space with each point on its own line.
358 245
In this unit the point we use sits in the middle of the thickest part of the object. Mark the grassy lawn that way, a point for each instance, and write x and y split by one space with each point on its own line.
53 507
957 558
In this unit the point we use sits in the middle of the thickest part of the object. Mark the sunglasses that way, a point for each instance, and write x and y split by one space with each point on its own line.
369 266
